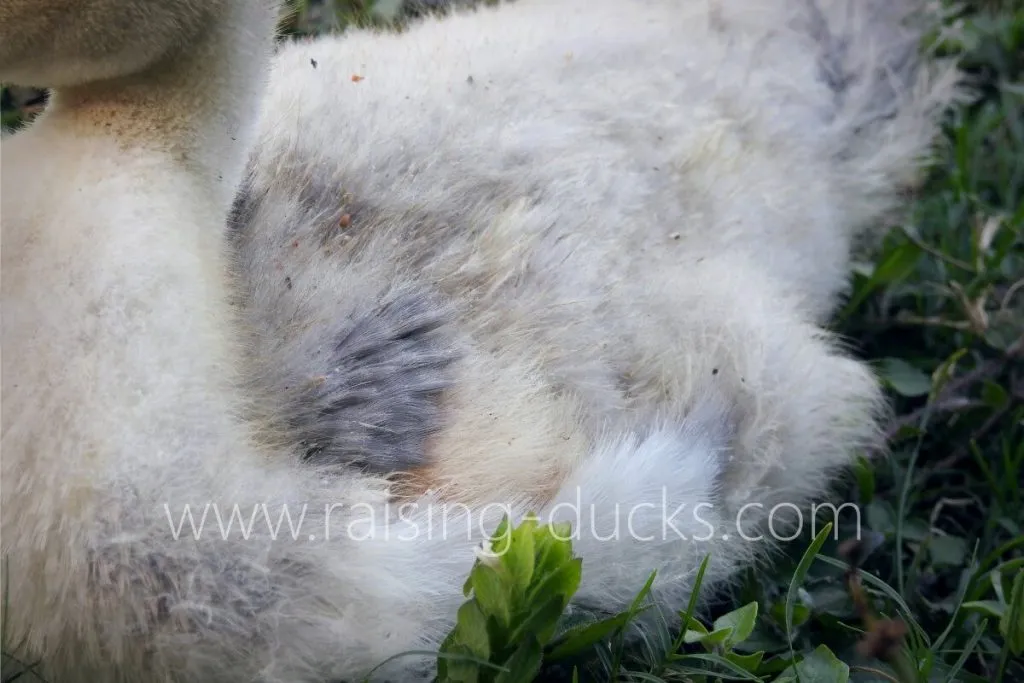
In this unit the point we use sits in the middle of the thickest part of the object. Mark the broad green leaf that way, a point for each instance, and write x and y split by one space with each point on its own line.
801 613
563 581
696 628
775 665
740 623
709 640
542 620
819 666
489 591
916 530
560 531
994 395
554 551
461 670
880 517
523 665
442 662
472 630
749 662
904 378
696 632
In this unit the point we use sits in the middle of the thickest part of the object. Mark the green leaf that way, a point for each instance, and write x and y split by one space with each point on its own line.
560 531
801 573
887 590
865 475
798 578
880 516
697 629
524 663
992 608
542 620
463 670
501 537
801 613
749 662
562 581
994 395
555 549
489 591
519 559
819 666
833 600
578 640
1011 626
904 378
995 577
710 640
944 372
634 607
968 649
948 550
916 530
696 632
691 607
896 265
721 664
775 665
442 662
472 630
740 623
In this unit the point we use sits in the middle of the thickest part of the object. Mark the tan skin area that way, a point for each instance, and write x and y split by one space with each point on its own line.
469 470
56 44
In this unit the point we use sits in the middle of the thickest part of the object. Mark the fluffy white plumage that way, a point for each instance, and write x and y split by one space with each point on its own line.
575 251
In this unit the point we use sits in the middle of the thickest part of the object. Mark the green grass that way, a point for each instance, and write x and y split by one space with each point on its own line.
937 590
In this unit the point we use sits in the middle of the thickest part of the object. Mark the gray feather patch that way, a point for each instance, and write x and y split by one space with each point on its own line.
378 401
362 390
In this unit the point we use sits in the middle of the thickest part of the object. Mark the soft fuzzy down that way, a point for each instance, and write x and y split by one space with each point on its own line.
572 251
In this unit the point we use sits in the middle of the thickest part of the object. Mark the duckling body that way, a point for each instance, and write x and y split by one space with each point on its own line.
569 257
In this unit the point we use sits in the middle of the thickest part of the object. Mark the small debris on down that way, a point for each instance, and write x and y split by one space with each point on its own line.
345 221
356 78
